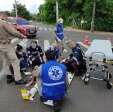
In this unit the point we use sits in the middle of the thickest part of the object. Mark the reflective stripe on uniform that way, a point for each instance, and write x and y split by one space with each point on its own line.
76 60
59 33
54 84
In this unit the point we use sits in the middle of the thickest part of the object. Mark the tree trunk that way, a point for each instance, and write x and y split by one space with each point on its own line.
57 11
93 16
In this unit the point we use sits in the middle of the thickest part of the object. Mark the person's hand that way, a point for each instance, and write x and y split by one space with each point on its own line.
71 55
30 62
33 59
62 58
23 36
41 54
29 83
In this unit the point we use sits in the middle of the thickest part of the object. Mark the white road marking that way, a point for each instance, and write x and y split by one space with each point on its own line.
46 45
40 28
70 77
50 29
45 28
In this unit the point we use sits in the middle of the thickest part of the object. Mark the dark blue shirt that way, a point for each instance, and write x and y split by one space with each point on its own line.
34 52
77 53
60 31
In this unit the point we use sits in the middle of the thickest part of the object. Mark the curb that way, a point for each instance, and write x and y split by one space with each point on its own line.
84 31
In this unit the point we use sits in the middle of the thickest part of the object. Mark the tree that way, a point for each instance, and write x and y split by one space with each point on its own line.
47 12
77 10
22 11
103 14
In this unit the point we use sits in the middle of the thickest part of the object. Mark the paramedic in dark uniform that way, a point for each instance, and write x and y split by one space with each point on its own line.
21 55
77 55
35 54
52 79
56 49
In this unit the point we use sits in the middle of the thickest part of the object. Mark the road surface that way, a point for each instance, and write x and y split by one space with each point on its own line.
81 98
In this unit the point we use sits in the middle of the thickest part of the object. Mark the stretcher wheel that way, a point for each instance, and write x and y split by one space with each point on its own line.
110 76
109 85
86 81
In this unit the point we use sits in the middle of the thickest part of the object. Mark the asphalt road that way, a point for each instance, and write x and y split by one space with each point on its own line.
80 98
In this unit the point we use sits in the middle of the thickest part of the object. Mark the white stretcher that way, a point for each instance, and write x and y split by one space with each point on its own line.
97 56
100 46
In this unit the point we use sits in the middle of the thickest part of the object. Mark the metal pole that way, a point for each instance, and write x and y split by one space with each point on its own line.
93 16
16 9
57 11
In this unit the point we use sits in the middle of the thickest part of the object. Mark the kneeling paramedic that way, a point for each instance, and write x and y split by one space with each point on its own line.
78 56
35 54
52 79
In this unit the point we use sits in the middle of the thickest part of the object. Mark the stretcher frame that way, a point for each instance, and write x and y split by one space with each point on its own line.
94 63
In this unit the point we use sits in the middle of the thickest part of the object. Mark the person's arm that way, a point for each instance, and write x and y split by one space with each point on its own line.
40 51
28 52
56 28
35 76
62 27
74 55
17 54
77 55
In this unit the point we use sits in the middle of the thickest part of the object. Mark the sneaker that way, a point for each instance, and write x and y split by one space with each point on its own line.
49 102
83 77
27 73
20 82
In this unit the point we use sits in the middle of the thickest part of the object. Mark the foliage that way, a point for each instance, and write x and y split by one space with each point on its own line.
77 10
22 11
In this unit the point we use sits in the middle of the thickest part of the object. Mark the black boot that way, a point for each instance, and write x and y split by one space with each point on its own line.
10 79
56 106
20 82
42 99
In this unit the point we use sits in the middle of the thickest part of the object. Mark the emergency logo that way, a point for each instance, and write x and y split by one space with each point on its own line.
55 73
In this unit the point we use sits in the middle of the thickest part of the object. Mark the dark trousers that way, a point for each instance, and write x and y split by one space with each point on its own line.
36 62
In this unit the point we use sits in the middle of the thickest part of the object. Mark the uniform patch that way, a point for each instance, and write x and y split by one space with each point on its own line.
55 73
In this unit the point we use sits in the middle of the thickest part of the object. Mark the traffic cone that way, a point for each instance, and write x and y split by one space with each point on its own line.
86 40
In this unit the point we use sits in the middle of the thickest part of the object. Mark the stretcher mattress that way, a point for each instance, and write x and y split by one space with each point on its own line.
100 46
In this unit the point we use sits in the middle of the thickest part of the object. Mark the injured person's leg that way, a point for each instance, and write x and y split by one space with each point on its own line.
29 94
